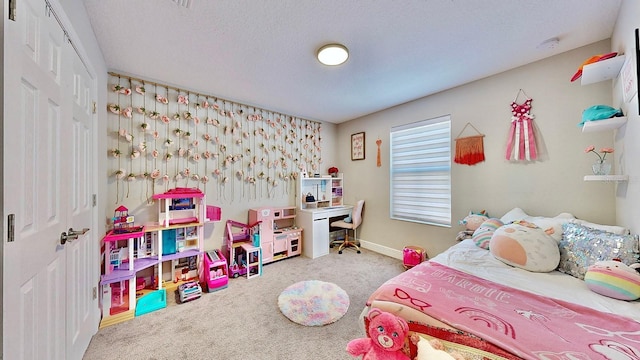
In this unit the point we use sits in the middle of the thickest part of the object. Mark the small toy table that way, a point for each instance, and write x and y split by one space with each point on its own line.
253 260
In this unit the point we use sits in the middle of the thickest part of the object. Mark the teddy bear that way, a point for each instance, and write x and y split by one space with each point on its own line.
433 349
387 334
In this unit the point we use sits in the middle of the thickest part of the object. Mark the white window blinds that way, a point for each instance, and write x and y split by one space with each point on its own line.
421 172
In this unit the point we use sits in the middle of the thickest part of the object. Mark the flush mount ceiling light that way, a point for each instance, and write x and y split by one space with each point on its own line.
333 54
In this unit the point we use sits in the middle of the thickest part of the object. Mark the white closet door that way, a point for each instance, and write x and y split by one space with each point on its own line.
46 297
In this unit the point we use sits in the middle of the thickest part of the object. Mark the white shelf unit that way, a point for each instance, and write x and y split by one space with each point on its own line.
605 124
610 178
602 70
326 190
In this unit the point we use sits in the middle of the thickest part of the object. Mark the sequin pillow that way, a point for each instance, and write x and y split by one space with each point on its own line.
582 247
482 235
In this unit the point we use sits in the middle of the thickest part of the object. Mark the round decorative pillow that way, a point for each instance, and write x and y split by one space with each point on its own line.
482 235
613 279
526 246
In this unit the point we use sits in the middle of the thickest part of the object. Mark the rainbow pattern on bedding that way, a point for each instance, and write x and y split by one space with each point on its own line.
525 324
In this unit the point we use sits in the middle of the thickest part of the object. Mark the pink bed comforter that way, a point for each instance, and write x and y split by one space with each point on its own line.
525 324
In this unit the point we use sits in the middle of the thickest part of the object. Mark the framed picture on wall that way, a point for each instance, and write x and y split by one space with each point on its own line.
637 36
628 76
357 146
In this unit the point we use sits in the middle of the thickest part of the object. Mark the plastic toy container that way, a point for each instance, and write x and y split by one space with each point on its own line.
412 256
189 291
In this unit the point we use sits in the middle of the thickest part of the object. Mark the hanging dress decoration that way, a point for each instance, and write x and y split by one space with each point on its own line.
469 149
521 145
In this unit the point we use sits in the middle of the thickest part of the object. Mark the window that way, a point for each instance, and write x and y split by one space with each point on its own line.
421 172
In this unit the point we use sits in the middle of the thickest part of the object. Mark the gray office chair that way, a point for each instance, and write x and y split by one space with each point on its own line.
356 220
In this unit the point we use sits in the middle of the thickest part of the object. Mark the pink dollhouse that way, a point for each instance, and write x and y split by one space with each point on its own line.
142 265
245 258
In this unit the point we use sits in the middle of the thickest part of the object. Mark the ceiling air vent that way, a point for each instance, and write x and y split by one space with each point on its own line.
184 3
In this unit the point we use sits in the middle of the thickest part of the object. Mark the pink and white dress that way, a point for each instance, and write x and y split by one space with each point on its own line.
522 142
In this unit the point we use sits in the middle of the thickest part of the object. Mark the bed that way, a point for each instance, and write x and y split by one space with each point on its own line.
477 302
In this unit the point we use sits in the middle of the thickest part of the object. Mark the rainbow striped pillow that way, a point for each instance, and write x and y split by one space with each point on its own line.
613 279
482 235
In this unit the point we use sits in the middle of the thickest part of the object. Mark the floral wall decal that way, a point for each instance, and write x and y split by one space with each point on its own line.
176 138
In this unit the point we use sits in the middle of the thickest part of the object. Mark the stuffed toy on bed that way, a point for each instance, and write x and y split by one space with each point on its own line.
614 279
471 222
387 334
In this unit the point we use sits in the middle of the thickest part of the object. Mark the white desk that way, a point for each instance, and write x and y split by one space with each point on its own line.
315 223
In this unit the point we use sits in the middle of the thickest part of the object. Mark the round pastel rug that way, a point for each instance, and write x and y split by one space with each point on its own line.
313 303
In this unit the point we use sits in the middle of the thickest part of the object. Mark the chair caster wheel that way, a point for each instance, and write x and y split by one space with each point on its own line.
340 252
358 251
330 246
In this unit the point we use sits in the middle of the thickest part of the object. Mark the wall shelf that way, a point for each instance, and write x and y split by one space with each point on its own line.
605 124
602 70
606 178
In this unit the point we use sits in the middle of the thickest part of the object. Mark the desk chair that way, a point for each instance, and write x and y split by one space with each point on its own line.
356 220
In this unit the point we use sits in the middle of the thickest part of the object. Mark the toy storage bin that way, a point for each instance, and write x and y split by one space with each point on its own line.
412 256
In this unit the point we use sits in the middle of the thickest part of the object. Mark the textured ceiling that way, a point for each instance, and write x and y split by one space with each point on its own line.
262 52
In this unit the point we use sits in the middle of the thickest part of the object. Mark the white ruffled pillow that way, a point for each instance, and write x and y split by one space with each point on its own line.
551 225
514 214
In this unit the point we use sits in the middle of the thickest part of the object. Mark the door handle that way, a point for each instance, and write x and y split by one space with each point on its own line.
72 235
78 232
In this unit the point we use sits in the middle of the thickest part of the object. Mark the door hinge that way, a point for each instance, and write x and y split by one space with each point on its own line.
95 293
12 10
95 107
94 200
11 229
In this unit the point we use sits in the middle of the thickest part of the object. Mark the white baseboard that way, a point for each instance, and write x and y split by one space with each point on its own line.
397 254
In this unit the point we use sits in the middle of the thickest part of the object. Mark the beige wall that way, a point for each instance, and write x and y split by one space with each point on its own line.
234 204
626 144
546 187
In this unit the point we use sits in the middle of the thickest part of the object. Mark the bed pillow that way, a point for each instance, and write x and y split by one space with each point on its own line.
582 247
484 232
513 215
526 246
613 279
551 226
619 230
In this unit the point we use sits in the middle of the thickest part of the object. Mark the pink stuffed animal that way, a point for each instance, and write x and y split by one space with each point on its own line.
387 334
474 220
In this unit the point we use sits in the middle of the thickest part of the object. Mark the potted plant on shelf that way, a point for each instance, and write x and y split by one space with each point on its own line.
600 167
333 171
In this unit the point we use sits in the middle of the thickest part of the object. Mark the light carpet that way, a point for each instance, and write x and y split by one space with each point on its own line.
243 321
313 303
